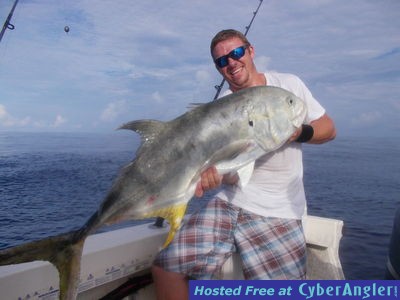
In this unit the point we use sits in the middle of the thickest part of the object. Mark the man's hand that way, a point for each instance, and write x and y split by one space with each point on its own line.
296 134
210 179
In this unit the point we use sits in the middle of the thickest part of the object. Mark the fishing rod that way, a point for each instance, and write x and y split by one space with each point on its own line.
219 87
7 24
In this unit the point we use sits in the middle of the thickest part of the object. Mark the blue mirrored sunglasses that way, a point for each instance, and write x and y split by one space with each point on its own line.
235 54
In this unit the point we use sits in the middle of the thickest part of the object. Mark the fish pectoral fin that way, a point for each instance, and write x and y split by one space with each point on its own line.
245 173
230 152
174 215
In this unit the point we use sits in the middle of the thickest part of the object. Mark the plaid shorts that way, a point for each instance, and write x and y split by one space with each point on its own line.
270 248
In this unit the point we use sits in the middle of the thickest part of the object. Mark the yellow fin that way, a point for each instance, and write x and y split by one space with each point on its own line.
174 215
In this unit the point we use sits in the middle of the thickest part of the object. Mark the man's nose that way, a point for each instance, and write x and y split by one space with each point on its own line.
231 61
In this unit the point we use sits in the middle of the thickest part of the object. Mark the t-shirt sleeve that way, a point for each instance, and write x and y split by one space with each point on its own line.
314 108
295 85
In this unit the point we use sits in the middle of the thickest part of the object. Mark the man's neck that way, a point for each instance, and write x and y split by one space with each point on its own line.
259 79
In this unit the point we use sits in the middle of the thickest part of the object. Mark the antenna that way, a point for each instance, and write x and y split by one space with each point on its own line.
7 24
219 87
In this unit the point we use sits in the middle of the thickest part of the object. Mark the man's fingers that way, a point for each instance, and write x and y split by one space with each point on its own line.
199 190
210 179
216 178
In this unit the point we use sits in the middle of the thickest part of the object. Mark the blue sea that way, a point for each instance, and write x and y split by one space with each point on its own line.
51 183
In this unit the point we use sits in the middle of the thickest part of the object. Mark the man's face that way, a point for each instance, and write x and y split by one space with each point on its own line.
239 72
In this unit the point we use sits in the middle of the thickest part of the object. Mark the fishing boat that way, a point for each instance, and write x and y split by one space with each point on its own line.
116 264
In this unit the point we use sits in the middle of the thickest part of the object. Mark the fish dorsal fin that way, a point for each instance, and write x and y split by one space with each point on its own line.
148 129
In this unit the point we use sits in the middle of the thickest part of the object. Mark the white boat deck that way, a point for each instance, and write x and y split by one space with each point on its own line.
110 258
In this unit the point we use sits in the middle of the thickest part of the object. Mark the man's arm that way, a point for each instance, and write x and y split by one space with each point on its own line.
324 131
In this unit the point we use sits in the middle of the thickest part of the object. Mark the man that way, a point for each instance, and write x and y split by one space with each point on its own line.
262 220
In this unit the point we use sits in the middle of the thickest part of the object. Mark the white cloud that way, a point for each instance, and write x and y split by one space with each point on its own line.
367 118
3 112
203 76
113 110
156 96
60 120
7 120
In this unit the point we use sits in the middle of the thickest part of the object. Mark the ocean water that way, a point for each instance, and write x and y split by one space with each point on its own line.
51 183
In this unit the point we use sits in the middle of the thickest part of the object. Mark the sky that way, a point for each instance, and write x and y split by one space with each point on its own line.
148 59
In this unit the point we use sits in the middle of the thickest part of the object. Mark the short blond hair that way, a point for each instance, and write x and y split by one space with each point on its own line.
227 34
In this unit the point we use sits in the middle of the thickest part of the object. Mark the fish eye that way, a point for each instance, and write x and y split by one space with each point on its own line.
251 123
291 101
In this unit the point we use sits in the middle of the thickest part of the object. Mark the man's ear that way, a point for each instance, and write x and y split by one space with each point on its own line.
251 51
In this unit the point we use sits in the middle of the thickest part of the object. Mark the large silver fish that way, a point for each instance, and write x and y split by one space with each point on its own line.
229 133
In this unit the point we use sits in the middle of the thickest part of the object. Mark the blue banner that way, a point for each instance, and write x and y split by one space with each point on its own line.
294 289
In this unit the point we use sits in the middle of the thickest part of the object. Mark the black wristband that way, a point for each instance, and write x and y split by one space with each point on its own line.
307 133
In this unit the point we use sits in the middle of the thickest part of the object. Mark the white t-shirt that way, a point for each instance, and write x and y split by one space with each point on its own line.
276 186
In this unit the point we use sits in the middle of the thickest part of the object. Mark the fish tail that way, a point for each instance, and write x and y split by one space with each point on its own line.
63 251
